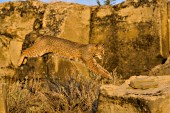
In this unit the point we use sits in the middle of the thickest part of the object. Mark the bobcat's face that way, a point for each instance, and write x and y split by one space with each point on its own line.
98 51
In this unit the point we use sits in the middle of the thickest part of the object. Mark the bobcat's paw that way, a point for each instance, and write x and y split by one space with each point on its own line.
110 77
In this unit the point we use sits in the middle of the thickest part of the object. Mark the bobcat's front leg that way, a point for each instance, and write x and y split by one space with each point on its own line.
93 66
21 60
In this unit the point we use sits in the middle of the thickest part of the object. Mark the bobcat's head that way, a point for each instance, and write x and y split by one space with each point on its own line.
98 50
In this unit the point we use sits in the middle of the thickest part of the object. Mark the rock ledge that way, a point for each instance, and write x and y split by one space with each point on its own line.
137 98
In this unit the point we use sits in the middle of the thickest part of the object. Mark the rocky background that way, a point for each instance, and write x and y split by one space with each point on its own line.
135 34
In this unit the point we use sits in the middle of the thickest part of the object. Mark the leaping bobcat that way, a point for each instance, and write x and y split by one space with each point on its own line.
69 50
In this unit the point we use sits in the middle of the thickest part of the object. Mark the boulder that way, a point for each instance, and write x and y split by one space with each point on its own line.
161 69
139 94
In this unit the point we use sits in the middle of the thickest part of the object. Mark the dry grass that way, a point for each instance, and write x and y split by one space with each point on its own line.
117 78
36 96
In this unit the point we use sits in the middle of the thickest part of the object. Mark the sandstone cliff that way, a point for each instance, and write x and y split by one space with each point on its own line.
135 34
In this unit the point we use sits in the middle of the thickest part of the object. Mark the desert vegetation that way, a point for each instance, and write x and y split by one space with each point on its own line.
40 96
45 95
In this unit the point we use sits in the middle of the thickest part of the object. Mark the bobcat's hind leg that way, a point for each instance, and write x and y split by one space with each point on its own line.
34 51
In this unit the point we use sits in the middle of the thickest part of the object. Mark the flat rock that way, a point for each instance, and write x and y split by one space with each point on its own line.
143 83
136 98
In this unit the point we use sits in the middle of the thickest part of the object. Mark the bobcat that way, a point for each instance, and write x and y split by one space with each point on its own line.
69 50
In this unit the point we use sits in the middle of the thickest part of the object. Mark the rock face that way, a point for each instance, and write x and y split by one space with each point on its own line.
135 33
139 94
17 20
131 31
